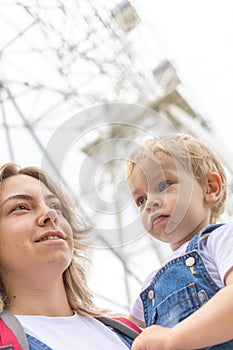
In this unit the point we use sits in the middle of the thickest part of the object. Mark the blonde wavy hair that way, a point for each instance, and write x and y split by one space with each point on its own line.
194 156
78 293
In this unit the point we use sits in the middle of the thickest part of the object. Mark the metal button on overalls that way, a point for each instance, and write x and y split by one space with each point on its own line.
190 261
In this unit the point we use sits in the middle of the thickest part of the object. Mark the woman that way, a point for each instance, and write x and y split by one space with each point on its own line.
42 276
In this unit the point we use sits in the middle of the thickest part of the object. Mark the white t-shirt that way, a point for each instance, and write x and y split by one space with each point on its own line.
216 251
73 332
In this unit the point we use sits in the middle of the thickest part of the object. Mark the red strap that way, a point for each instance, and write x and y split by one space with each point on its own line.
7 337
128 323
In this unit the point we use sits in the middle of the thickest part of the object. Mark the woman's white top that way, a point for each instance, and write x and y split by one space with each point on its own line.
72 332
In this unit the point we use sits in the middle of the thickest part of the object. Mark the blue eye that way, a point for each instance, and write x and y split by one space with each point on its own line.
56 206
141 201
163 186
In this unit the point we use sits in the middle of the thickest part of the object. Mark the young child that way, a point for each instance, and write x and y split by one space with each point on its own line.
179 187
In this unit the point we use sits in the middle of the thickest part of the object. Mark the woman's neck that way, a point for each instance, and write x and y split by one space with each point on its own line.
46 301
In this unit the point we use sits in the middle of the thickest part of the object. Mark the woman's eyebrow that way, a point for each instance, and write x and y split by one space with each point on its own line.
18 196
51 196
26 197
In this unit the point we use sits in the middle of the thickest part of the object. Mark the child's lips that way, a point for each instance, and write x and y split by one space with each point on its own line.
156 219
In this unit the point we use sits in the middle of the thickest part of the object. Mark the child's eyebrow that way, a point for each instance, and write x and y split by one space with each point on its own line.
136 192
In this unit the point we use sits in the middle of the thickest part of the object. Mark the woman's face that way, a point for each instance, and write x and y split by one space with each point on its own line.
35 238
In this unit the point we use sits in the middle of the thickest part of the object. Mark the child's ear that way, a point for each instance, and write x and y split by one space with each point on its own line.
213 187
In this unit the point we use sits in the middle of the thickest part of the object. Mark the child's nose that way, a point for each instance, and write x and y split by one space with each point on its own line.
153 204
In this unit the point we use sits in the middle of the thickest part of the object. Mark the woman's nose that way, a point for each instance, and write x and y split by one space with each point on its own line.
153 204
47 215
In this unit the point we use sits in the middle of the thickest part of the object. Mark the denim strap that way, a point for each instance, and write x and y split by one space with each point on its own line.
195 241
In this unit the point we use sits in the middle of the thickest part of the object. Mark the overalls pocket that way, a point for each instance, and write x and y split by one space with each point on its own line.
178 305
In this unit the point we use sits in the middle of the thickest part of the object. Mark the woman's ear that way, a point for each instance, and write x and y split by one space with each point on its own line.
213 187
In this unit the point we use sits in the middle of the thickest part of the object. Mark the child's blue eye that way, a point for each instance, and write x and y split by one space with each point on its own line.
163 186
141 201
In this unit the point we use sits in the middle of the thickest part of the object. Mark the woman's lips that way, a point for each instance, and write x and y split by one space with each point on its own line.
51 235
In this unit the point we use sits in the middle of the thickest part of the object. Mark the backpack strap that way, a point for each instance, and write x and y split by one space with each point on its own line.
123 326
16 328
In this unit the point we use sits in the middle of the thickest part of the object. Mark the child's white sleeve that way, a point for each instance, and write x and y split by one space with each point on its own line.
219 245
137 308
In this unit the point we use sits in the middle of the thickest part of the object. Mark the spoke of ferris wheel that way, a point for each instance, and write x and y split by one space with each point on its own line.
120 258
125 267
36 139
5 124
19 35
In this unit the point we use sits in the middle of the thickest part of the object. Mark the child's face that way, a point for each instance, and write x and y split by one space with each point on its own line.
170 200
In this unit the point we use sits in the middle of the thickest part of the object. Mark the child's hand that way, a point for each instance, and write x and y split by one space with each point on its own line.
153 338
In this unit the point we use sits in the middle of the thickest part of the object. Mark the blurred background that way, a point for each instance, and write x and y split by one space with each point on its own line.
82 82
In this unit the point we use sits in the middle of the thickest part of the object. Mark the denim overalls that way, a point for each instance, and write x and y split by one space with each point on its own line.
36 344
179 288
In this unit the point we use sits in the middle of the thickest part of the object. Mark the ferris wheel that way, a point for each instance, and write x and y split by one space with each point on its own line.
79 86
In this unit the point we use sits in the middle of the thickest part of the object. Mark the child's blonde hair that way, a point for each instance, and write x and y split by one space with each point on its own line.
194 156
